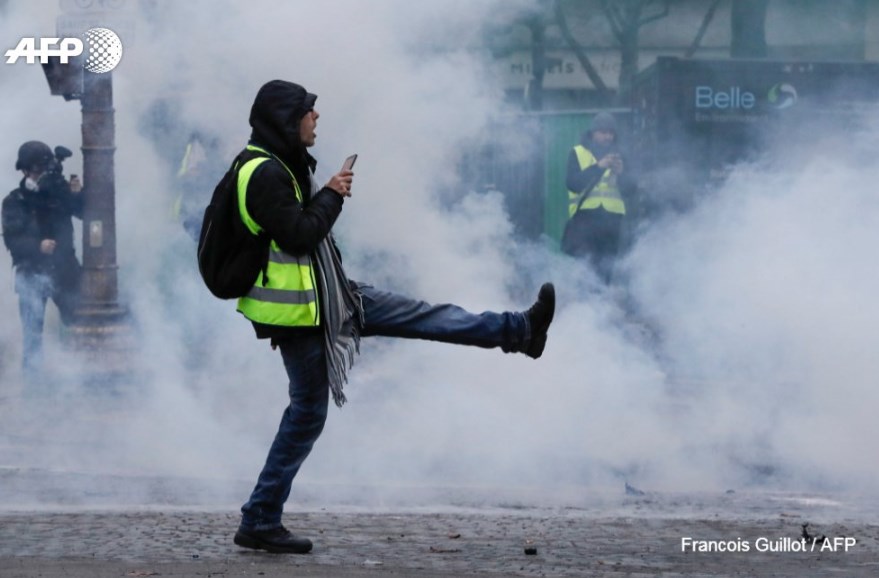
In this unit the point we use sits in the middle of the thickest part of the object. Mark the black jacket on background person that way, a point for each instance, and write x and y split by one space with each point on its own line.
29 217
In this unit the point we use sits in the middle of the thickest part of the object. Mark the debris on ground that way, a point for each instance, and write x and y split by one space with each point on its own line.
813 539
530 548
435 550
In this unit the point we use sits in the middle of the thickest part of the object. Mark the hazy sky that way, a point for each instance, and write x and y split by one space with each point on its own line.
763 296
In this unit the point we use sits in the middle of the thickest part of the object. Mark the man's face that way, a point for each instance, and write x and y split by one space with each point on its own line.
306 128
35 172
603 137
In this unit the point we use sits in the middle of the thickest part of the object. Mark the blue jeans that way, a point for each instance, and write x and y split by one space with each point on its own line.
385 314
34 290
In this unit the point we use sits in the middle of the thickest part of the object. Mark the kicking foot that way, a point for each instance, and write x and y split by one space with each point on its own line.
539 317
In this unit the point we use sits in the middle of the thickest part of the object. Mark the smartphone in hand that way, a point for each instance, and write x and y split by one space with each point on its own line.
349 163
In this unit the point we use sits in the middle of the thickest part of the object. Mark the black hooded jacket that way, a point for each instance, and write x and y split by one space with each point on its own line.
298 228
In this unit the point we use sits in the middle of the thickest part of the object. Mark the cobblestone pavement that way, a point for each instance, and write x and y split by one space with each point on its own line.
88 524
568 542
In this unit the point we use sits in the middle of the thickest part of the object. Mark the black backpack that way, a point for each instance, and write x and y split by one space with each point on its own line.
230 257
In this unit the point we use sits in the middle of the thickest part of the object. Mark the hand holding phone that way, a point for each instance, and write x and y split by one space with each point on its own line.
342 183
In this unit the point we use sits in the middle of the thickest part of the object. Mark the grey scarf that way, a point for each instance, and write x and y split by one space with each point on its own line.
342 315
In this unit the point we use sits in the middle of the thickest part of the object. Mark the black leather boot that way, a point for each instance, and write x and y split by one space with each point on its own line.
277 541
539 317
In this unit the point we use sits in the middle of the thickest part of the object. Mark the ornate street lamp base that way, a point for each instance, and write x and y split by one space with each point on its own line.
106 344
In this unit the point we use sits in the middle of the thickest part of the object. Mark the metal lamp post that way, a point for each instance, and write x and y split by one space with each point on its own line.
102 330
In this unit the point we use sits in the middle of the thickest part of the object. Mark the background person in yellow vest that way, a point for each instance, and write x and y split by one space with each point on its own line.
597 189
305 304
197 174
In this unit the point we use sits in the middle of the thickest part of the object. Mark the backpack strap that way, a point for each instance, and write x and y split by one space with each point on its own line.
254 148
249 154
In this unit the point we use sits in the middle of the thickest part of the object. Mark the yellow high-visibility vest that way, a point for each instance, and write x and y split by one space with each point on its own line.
604 195
289 296
177 206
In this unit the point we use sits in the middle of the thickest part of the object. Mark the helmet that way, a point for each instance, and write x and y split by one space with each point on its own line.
603 121
33 153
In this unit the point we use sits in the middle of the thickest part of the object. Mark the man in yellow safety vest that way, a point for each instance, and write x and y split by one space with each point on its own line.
597 185
307 307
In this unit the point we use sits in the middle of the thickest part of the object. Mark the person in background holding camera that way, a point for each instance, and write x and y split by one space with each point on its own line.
597 184
38 232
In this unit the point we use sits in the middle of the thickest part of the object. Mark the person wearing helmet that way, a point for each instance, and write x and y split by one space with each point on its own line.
38 232
597 184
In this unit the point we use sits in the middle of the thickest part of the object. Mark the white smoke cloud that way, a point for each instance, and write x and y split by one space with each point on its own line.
760 297
764 298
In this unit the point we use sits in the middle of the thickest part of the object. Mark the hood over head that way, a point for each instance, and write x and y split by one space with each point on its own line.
603 121
277 109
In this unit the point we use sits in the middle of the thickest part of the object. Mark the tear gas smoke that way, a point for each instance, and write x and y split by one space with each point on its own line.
746 360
